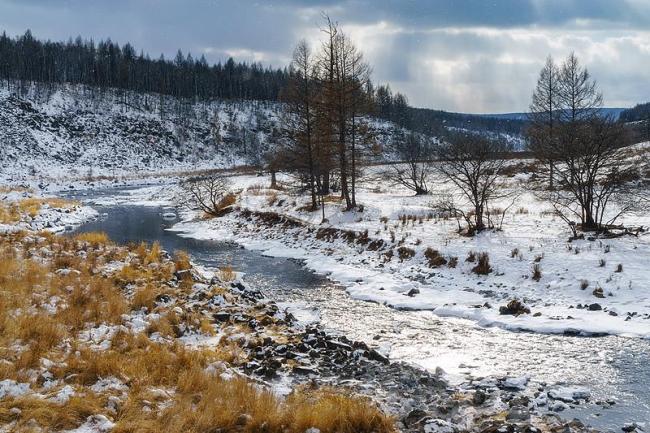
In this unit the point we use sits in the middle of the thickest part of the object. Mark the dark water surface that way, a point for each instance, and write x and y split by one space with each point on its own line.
611 367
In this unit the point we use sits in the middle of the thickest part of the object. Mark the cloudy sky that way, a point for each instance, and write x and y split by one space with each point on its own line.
458 55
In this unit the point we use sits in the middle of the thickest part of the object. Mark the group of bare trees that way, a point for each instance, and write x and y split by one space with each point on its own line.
328 98
582 150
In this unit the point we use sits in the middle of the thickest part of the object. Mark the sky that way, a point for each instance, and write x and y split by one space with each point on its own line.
476 56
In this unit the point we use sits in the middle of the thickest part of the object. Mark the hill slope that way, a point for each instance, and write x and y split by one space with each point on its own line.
77 130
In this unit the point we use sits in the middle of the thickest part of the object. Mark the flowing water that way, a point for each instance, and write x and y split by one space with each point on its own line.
611 367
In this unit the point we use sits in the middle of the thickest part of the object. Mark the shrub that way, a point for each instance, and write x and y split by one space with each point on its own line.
405 253
272 198
227 274
453 262
93 238
471 257
182 261
619 268
435 258
514 308
483 265
537 272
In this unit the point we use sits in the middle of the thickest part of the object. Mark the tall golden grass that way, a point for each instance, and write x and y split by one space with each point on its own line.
44 312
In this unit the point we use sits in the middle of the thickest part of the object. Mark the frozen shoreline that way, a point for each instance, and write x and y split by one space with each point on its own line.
558 302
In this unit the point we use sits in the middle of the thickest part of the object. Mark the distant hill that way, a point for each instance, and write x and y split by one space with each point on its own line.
639 112
615 113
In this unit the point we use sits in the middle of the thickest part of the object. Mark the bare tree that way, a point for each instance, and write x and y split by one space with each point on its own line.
592 173
416 165
344 76
300 119
579 95
211 194
472 163
544 113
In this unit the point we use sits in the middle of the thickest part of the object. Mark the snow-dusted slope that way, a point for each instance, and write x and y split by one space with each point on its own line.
79 131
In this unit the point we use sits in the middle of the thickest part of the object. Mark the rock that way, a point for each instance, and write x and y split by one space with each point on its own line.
333 344
594 307
516 382
438 426
630 427
570 394
237 285
558 406
222 316
376 356
305 370
243 419
598 292
479 398
413 417
514 308
163 299
518 414
413 292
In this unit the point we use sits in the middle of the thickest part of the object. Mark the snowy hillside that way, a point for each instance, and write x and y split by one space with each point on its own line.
78 131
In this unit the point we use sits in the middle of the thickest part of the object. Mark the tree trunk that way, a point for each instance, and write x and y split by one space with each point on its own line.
274 184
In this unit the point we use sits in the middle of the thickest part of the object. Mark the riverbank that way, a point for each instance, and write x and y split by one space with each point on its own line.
98 337
398 252
220 317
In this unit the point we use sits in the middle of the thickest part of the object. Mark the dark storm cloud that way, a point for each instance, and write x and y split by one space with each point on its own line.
462 55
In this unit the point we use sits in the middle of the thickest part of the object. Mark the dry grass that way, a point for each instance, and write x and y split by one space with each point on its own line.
434 258
4 189
483 266
537 272
45 312
227 274
13 211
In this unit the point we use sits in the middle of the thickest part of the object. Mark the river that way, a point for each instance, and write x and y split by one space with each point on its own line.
613 368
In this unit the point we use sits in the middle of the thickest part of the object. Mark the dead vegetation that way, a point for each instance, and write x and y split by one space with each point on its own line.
13 211
57 292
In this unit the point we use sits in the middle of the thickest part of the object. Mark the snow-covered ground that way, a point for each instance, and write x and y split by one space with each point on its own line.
586 286
48 213
68 133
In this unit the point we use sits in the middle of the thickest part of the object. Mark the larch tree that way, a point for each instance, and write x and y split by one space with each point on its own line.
300 118
544 115
579 95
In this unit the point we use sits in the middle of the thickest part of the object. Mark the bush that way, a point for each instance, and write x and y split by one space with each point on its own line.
405 253
537 272
211 194
483 266
514 308
435 259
